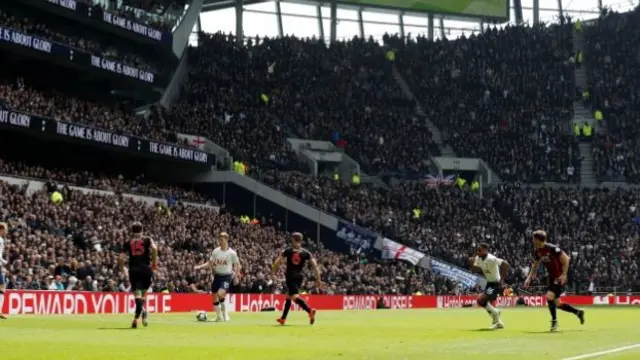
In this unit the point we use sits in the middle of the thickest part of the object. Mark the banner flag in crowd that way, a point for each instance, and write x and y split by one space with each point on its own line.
464 277
438 180
355 236
394 250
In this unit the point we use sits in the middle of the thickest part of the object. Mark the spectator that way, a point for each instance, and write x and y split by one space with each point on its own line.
504 96
613 84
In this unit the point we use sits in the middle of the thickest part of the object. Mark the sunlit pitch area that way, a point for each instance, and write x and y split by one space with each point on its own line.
382 334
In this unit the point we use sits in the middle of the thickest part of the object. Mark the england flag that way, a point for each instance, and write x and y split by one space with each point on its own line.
394 250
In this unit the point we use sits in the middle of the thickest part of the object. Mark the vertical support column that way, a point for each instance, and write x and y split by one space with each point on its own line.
560 11
442 34
536 11
481 26
239 22
517 7
360 24
401 23
320 22
334 21
279 18
599 4
198 29
430 27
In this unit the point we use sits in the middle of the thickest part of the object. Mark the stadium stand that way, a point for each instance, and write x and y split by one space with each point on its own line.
19 17
502 96
597 228
310 91
83 237
151 13
26 87
612 90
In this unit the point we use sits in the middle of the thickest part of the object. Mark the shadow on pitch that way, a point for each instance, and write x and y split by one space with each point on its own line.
551 333
482 329
283 326
115 328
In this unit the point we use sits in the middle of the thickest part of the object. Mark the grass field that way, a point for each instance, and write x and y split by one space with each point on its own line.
388 334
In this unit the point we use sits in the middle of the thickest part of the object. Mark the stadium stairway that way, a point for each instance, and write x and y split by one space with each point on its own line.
587 173
445 149
579 44
581 114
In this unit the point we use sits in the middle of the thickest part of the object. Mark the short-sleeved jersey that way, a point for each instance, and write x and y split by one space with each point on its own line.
490 267
139 251
549 255
223 260
296 260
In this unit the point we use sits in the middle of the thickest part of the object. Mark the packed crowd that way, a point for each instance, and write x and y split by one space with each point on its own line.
250 99
502 96
119 184
451 221
447 227
32 94
19 18
83 234
597 227
75 246
613 89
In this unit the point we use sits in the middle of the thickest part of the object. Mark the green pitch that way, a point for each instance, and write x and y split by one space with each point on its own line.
384 335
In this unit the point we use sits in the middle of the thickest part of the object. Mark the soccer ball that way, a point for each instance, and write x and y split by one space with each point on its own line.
201 316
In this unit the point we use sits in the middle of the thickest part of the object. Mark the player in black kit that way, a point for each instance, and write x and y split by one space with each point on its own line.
143 256
296 257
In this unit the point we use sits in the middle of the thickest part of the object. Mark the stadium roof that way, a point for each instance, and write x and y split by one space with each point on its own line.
300 17
213 5
461 9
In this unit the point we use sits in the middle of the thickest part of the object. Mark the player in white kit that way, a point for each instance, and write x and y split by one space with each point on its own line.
495 270
3 234
226 265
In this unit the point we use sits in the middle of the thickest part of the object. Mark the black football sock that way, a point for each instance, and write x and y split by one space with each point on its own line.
139 306
552 309
303 305
568 308
287 307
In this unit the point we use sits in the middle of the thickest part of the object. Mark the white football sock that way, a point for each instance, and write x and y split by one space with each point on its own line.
492 311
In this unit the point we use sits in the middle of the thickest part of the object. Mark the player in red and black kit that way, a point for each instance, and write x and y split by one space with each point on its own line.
296 258
556 262
143 257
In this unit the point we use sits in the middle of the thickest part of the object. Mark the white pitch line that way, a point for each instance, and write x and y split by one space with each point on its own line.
605 352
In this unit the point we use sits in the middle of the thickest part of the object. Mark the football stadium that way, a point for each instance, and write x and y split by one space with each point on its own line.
351 179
